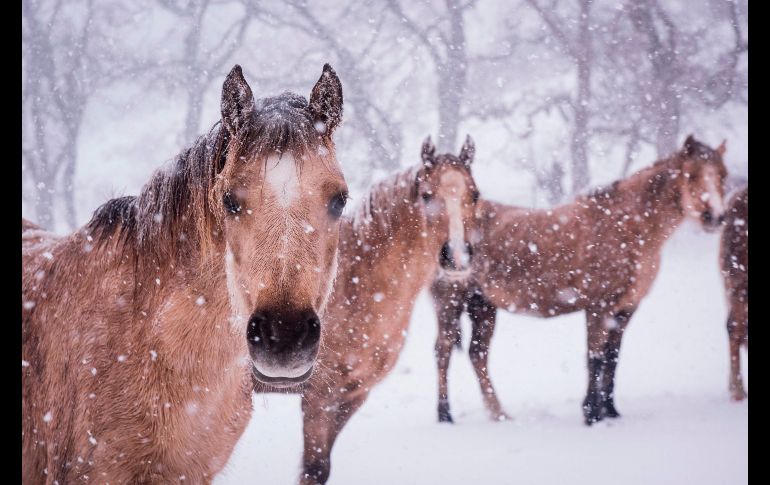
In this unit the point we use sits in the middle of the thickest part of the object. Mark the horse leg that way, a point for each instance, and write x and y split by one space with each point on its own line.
449 307
598 336
323 419
612 351
736 326
483 316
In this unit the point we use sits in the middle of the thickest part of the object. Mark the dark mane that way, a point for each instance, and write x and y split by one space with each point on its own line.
656 174
377 205
449 159
283 124
178 207
604 191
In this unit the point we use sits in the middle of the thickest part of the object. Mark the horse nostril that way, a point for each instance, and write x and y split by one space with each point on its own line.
309 332
283 331
445 257
313 332
707 217
258 332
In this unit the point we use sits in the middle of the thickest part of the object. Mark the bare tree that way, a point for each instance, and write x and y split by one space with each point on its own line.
443 36
667 69
370 117
67 57
642 70
724 80
577 44
202 61
54 98
673 77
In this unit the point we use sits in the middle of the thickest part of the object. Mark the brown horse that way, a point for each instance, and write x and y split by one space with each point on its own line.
734 255
404 228
140 331
599 254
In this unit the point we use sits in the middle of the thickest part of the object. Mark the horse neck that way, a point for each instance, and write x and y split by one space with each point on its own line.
180 310
657 199
393 245
193 320
172 218
399 240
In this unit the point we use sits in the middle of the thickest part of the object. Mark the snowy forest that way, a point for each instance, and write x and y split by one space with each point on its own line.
560 97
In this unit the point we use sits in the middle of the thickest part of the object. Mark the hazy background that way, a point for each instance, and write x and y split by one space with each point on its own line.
558 95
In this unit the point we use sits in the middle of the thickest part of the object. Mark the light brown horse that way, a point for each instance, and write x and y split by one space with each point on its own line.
734 256
599 254
141 331
404 228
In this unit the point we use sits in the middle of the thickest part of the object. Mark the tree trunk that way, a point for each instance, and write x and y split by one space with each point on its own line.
667 130
192 119
579 143
452 78
44 215
666 70
68 182
448 113
194 81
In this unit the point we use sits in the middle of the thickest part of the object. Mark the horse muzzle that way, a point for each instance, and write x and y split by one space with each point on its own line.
710 222
455 265
283 345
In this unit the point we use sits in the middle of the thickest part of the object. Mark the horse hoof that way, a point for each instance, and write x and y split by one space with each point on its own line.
610 411
592 415
592 419
739 395
445 418
501 416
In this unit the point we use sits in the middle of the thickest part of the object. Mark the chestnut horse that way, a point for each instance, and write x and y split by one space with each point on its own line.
599 254
141 330
404 228
734 256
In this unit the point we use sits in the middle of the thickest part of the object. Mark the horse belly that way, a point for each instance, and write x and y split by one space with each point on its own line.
538 294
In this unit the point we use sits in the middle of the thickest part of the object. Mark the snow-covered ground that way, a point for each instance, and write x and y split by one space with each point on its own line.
678 424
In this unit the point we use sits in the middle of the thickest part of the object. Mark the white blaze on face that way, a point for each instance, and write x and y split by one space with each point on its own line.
282 178
238 303
454 188
712 196
328 289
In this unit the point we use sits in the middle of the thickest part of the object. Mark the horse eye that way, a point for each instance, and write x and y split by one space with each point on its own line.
475 196
337 204
427 196
231 205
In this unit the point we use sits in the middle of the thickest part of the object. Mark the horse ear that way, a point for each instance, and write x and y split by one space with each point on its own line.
428 150
722 148
326 102
689 145
468 151
237 101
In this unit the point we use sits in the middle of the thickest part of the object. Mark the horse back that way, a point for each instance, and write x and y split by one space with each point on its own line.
33 236
525 258
550 262
27 225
